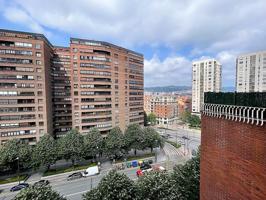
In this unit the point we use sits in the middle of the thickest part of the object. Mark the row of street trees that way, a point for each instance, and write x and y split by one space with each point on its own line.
181 184
74 146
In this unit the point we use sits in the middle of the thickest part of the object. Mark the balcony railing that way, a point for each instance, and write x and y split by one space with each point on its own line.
246 114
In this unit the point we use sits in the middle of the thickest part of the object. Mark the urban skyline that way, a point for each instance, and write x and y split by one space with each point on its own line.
132 100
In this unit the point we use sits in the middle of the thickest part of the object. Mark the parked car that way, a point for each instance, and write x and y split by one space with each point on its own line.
91 171
74 176
18 187
41 183
139 173
145 166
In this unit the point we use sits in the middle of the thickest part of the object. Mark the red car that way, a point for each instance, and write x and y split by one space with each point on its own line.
139 173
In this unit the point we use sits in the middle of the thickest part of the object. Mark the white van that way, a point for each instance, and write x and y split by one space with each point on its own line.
91 171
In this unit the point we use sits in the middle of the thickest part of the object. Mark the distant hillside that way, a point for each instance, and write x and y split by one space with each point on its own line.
167 88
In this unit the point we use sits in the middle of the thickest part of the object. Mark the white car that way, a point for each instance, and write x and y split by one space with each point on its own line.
91 171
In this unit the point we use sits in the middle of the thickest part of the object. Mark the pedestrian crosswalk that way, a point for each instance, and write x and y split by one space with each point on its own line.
173 153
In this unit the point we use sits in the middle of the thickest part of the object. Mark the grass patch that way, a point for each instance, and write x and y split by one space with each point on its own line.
69 169
13 179
176 145
130 158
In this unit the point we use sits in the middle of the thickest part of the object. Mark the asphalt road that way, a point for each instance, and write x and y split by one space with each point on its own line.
73 190
191 143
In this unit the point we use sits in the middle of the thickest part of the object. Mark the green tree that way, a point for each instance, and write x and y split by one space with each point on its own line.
40 193
186 179
145 119
194 121
152 138
156 185
45 152
113 186
71 146
152 118
184 116
134 137
13 150
114 143
93 143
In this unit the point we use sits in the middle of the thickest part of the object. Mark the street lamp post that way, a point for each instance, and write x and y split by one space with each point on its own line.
18 170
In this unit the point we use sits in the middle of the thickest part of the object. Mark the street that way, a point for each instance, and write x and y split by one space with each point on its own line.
190 139
168 156
74 189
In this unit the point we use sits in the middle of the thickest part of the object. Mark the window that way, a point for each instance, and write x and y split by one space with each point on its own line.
38 54
41 123
40 108
40 100
39 93
23 44
39 70
39 78
38 62
37 46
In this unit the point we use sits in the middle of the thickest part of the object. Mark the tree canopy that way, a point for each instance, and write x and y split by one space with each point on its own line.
93 143
191 120
40 193
152 138
71 146
114 186
45 151
14 150
114 143
186 179
152 118
134 137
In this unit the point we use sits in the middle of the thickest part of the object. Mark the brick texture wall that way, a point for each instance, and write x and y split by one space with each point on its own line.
233 160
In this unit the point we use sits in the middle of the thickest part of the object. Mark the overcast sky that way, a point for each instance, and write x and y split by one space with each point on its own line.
170 33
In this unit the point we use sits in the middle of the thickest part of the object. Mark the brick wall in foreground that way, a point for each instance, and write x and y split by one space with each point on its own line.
233 160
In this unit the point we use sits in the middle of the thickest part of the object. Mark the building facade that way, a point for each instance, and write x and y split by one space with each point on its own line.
233 146
25 82
50 89
206 77
107 86
62 99
184 104
251 72
163 106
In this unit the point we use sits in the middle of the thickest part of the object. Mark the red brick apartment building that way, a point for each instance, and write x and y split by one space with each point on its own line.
163 106
233 147
51 89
